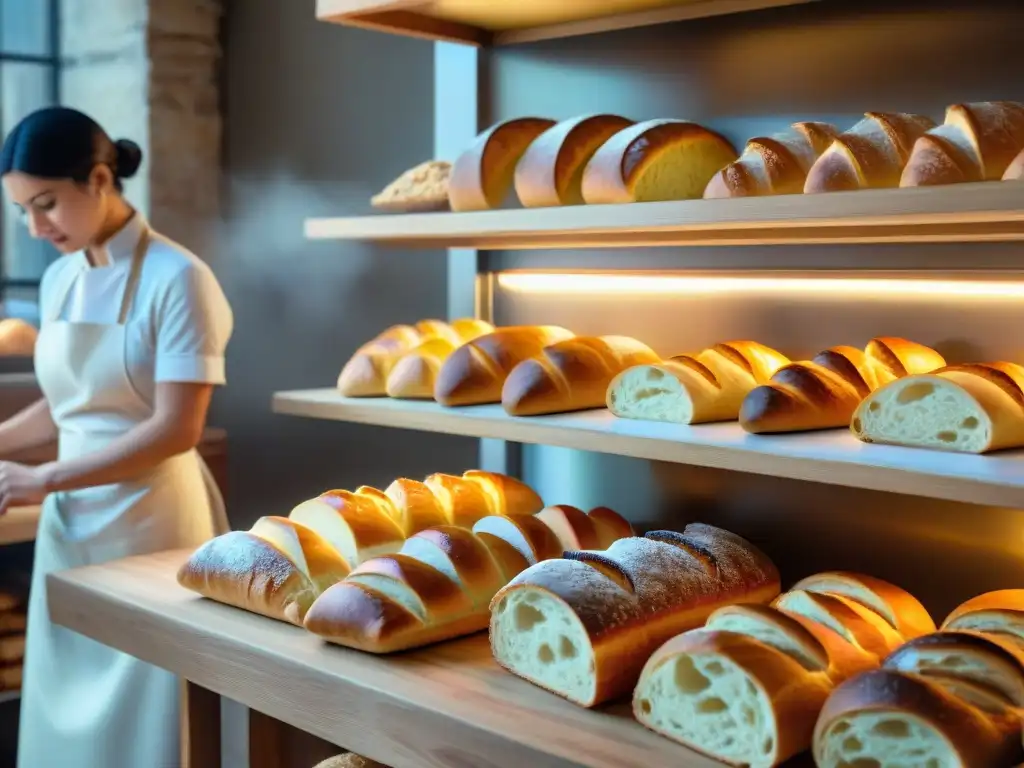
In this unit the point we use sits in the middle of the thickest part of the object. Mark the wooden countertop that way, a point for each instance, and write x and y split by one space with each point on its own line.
449 706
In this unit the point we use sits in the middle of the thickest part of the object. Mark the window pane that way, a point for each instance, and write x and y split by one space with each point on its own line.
25 26
23 89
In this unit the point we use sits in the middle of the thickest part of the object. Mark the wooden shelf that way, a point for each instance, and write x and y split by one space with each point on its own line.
19 525
498 22
832 456
446 706
985 212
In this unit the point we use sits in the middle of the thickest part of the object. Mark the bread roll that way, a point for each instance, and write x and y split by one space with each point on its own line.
994 613
859 628
571 375
655 160
870 155
414 374
583 626
350 760
482 175
550 172
977 142
1015 170
423 188
773 165
709 386
972 408
475 373
17 338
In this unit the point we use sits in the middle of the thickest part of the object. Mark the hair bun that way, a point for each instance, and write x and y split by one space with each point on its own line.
129 158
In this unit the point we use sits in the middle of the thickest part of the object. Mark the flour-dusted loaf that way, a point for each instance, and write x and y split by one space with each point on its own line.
414 374
824 392
482 176
773 165
870 155
748 688
439 585
475 373
583 626
550 172
694 389
973 408
422 188
976 142
571 375
655 160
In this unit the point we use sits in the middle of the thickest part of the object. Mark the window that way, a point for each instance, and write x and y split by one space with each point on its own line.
29 79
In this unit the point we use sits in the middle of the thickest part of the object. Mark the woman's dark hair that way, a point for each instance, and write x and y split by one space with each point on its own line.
63 143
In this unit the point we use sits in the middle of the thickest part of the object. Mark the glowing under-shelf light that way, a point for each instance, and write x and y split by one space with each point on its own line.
610 283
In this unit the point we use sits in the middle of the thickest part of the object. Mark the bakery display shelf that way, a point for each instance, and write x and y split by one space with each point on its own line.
19 525
830 456
983 212
486 22
445 706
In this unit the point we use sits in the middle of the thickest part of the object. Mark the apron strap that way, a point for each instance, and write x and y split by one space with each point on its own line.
131 286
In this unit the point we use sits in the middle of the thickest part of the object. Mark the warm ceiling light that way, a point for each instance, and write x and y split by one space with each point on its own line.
611 283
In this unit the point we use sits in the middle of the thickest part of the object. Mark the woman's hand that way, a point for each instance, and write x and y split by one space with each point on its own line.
21 485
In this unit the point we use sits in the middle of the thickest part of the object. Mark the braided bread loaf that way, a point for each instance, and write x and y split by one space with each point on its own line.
708 386
824 392
970 408
773 165
439 585
583 626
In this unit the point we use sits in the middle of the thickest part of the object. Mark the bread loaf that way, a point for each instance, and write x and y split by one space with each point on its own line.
550 172
583 626
972 408
994 613
977 142
366 374
350 760
475 373
482 175
423 188
17 338
414 374
655 160
747 689
773 165
440 583
824 393
1015 170
708 386
870 155
571 375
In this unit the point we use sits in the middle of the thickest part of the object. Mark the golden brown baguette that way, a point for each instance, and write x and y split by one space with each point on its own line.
1015 170
709 386
773 165
655 160
824 393
439 585
976 142
583 626
368 371
571 375
475 373
870 155
482 175
422 188
972 408
414 374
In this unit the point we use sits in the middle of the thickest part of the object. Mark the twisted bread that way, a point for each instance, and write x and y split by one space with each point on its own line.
977 142
551 170
773 165
748 688
571 375
655 160
475 372
584 625
870 155
709 386
824 392
970 408
440 583
366 374
481 177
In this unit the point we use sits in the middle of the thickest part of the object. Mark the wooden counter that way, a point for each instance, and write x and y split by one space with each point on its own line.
449 706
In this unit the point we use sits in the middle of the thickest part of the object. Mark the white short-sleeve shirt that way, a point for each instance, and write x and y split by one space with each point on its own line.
179 322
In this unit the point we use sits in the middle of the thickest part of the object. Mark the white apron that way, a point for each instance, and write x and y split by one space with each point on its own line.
85 705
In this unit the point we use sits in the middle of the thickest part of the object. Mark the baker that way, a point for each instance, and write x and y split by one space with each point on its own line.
132 340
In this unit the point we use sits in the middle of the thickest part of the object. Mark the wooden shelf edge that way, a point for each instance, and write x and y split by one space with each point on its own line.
831 457
984 212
